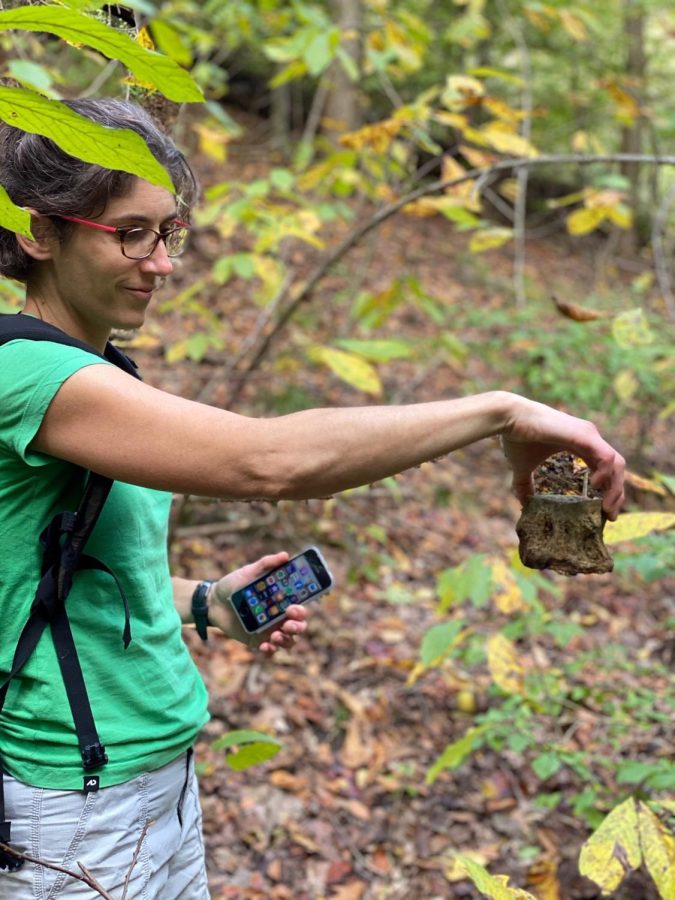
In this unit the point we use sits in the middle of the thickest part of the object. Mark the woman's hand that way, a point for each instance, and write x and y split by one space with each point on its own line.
536 431
281 635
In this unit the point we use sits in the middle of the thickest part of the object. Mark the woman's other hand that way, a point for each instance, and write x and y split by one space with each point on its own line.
280 636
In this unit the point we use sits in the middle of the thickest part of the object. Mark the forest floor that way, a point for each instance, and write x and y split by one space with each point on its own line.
344 810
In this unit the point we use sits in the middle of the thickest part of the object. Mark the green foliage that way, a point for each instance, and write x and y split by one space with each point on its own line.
149 68
488 599
652 558
252 748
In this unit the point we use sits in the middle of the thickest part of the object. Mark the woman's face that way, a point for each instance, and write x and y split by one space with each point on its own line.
93 283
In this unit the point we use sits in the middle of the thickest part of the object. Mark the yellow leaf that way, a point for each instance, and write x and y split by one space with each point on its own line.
626 385
509 188
631 526
143 341
504 139
212 141
451 169
505 668
461 91
658 849
144 39
542 875
573 25
488 238
422 208
582 221
645 484
453 120
613 849
478 159
631 329
378 136
349 367
494 886
502 110
538 19
620 215
509 597
455 870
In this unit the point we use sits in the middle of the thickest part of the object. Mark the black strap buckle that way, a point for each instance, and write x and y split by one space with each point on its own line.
8 862
94 755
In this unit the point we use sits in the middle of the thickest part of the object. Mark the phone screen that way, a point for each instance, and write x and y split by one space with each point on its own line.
296 581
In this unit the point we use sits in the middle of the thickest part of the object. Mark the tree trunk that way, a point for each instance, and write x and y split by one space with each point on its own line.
342 111
631 137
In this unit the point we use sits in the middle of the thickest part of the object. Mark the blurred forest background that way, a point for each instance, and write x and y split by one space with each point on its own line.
404 201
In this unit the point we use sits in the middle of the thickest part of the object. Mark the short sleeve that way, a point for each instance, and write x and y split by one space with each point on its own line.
31 373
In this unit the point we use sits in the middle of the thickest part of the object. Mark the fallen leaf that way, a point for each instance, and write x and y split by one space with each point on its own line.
613 849
576 312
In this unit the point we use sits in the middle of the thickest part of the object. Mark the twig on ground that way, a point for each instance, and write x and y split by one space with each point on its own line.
134 859
86 877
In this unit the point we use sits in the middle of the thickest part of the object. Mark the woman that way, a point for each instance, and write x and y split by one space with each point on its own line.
102 244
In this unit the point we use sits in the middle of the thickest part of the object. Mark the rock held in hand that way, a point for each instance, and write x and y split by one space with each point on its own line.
563 533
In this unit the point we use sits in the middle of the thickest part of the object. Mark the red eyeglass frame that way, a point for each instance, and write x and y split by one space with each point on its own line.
119 230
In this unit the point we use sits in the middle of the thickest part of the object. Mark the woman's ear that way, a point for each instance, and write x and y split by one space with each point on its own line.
41 245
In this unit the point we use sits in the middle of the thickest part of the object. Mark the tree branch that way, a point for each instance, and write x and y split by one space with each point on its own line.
86 877
386 212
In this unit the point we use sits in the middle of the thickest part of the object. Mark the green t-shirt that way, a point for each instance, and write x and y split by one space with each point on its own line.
148 701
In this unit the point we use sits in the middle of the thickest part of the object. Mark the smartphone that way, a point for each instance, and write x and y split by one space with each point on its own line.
263 602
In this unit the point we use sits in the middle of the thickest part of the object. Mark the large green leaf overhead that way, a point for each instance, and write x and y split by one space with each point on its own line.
13 217
112 148
147 66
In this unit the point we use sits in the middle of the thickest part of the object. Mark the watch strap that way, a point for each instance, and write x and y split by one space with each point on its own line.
200 608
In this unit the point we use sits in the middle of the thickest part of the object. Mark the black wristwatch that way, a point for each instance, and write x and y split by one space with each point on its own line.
200 607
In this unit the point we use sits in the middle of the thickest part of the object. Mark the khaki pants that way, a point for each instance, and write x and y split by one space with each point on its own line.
101 830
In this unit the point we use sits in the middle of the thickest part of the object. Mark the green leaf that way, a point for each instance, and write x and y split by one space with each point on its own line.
78 29
12 217
502 74
254 748
318 54
348 64
295 69
657 776
282 179
377 351
112 148
470 580
438 641
546 764
454 754
168 39
30 75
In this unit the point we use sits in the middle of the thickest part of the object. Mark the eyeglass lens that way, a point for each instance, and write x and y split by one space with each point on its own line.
139 243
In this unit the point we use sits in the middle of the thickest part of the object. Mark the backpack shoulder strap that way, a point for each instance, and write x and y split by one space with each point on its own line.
17 327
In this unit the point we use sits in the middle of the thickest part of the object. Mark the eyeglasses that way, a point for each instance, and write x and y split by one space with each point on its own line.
140 243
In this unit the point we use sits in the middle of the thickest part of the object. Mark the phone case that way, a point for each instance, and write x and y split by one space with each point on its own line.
261 603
